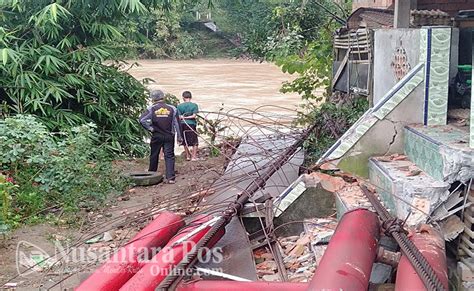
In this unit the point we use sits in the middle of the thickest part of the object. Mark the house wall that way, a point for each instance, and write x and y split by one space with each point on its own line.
449 6
399 102
386 42
386 137
471 138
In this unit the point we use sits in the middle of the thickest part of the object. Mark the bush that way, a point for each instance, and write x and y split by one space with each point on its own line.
332 120
187 46
171 99
66 170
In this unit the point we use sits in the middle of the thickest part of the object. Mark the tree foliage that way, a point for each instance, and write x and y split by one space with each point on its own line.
59 60
313 66
298 37
303 45
162 34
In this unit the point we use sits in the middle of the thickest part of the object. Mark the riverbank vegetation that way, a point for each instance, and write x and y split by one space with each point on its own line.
46 173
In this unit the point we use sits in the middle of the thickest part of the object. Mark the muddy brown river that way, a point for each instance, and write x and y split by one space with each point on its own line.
216 83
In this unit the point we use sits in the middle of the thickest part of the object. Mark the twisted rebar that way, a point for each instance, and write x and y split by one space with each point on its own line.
413 254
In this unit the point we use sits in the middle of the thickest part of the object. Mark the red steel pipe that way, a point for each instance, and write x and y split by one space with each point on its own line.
239 286
156 270
431 245
347 262
121 266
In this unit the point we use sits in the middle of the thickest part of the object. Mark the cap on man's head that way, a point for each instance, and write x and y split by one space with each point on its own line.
157 95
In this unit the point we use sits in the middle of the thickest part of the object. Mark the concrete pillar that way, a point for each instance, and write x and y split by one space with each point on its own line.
402 14
435 51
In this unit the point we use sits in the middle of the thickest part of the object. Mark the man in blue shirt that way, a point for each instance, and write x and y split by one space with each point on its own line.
188 114
161 120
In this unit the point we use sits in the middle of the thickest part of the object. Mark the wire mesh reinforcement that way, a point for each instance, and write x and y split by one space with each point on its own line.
232 210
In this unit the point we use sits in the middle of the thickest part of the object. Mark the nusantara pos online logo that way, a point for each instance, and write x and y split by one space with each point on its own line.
31 259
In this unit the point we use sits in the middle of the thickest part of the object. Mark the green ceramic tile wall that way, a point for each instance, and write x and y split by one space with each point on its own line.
384 186
424 154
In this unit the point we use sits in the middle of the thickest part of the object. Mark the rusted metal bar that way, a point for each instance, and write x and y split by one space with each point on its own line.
394 228
431 245
160 266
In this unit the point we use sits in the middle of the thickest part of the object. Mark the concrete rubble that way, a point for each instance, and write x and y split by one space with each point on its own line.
405 188
345 187
301 254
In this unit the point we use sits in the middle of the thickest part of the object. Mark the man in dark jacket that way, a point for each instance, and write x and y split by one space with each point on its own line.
161 120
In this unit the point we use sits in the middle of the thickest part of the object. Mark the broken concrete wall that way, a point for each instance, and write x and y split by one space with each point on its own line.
405 189
442 152
388 108
406 88
310 196
251 155
313 202
385 137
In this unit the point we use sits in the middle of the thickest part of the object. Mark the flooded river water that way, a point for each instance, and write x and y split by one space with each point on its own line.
231 83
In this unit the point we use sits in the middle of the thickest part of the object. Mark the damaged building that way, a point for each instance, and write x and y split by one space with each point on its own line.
413 61
389 206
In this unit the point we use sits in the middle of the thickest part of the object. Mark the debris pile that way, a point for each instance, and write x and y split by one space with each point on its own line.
301 254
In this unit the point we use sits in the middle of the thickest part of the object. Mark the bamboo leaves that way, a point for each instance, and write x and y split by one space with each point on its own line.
8 54
132 6
50 64
51 13
55 64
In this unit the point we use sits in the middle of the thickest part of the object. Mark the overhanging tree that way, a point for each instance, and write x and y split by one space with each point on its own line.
59 60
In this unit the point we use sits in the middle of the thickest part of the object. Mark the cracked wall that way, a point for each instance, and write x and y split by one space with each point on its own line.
380 130
385 137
